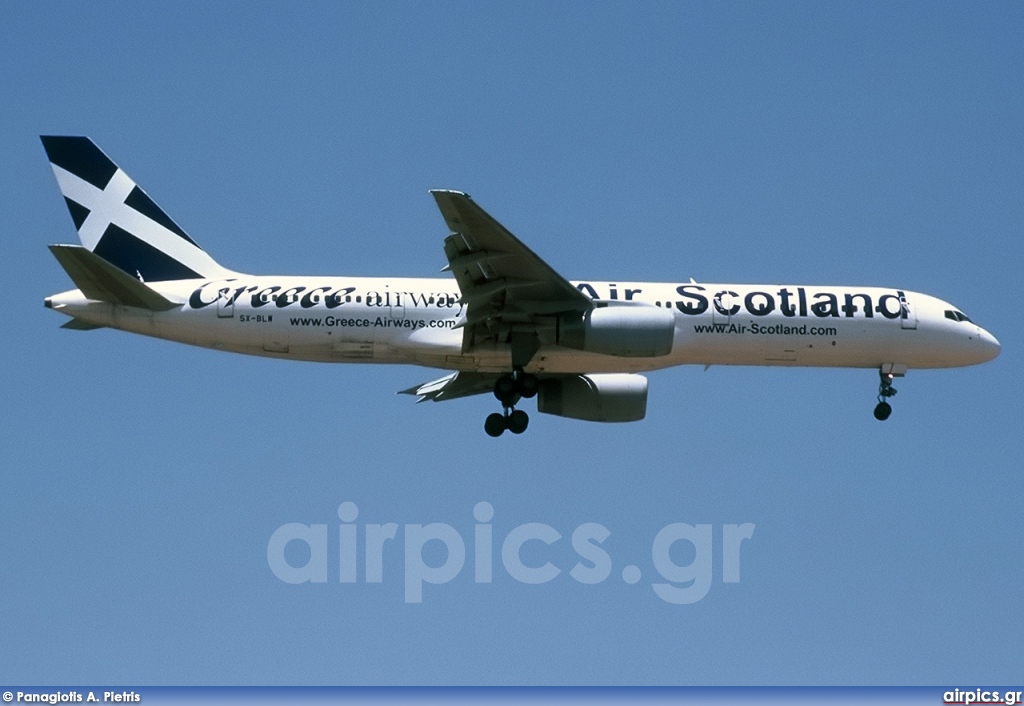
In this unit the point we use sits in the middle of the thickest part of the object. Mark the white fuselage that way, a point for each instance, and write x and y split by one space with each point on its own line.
414 321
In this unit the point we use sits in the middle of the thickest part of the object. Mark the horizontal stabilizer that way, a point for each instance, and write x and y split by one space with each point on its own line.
80 325
102 281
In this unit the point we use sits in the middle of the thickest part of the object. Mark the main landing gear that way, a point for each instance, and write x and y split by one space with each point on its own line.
509 389
885 390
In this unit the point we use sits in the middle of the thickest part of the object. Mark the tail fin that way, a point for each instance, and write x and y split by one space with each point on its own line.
118 221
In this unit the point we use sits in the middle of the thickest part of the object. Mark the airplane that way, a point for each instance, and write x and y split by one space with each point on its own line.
504 321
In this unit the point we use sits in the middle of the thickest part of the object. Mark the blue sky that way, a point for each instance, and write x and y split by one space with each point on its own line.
818 143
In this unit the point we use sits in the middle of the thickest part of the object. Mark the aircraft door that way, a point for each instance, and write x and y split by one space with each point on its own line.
908 313
722 307
226 304
390 305
397 310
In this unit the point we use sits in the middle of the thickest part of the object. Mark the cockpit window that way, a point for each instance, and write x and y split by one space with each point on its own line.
954 315
963 317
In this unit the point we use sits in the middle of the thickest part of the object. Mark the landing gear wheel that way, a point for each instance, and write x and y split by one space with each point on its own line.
494 425
509 389
527 385
505 389
518 421
882 411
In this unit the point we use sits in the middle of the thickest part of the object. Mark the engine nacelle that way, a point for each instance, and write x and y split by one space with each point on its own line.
598 397
626 331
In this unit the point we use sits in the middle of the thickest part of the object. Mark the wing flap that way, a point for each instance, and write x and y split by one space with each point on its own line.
481 250
506 286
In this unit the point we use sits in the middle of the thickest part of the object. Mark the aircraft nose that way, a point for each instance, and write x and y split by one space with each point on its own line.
990 346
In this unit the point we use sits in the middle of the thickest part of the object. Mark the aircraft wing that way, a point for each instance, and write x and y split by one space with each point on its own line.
511 294
450 387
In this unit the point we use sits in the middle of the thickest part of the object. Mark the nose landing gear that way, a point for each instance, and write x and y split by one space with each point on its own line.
509 389
885 390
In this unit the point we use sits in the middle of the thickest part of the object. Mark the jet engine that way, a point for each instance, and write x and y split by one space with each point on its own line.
598 397
628 331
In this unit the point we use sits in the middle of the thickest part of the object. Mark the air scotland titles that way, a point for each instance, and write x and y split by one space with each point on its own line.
694 299
821 304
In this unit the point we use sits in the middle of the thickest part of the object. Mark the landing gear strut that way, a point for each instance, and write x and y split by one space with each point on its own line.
509 389
885 390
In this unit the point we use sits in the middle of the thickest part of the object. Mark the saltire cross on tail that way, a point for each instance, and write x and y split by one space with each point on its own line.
504 322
